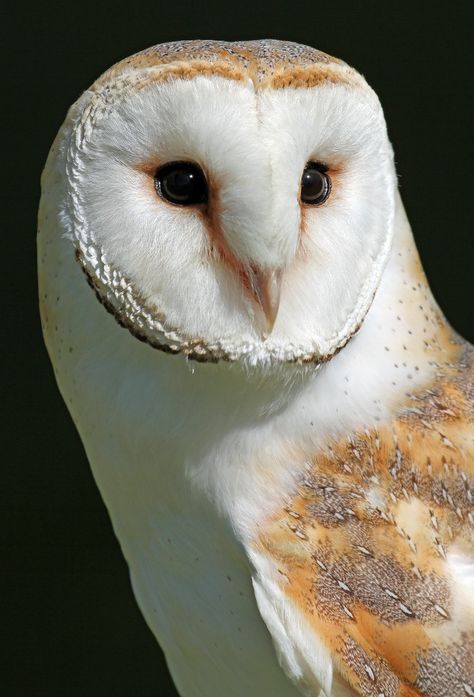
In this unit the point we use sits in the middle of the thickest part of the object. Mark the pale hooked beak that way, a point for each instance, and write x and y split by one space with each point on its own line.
266 287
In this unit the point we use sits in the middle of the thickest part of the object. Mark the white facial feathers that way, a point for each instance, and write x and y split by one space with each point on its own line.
160 267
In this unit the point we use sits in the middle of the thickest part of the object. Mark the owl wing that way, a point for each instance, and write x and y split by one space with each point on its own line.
366 577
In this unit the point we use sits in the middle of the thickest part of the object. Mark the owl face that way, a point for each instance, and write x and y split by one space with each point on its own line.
232 201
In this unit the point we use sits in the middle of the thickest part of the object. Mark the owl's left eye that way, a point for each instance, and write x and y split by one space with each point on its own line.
181 183
315 184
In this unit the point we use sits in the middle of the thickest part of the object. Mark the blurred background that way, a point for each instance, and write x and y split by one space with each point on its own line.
70 620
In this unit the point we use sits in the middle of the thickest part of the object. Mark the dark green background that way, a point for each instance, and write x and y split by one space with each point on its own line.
72 626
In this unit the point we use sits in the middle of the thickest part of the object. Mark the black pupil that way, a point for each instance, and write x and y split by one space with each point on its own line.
314 184
182 183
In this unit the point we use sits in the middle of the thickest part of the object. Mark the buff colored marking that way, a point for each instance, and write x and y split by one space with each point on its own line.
362 545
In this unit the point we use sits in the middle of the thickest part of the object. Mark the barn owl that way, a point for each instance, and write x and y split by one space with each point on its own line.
276 412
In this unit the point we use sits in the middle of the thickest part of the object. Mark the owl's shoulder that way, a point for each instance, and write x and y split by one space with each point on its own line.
375 547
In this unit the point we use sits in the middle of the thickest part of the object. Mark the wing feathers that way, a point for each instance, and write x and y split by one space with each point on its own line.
375 549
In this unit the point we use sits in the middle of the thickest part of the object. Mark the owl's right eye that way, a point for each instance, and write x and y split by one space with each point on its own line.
181 183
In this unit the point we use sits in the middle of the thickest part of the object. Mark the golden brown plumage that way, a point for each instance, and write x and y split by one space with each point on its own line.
364 546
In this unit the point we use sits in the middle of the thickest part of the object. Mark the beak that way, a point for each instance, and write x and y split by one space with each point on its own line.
266 287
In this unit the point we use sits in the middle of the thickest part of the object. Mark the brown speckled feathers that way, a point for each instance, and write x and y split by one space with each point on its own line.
365 546
268 63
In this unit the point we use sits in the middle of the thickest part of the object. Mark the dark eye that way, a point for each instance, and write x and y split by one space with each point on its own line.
182 183
315 183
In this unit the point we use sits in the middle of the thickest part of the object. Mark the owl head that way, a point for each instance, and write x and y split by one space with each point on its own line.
232 201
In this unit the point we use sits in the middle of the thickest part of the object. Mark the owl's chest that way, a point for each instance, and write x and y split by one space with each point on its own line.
193 585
